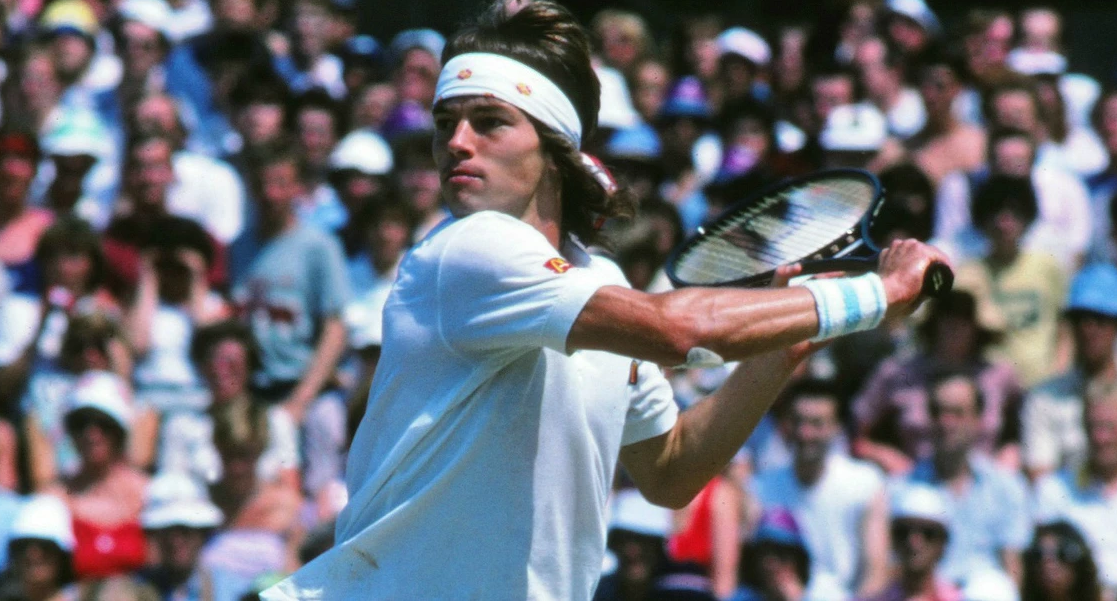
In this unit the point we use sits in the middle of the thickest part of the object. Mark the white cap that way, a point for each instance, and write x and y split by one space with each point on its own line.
104 392
44 517
78 132
920 501
632 512
364 318
744 43
175 500
859 127
918 11
363 151
1030 62
156 14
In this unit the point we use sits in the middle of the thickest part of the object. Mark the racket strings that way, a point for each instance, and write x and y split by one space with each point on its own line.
781 229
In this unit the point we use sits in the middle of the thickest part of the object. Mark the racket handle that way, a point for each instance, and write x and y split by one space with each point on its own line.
937 280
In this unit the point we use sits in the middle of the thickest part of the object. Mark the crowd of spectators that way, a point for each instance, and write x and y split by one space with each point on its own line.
203 204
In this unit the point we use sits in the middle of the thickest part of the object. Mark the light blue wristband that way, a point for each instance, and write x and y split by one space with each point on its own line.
847 305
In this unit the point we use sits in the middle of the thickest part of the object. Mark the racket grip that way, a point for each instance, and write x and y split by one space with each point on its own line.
937 280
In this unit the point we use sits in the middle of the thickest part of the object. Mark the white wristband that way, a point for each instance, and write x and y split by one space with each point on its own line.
848 305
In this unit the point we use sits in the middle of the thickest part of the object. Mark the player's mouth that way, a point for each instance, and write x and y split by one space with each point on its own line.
462 175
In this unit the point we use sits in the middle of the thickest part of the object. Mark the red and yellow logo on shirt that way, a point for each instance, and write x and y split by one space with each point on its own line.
557 265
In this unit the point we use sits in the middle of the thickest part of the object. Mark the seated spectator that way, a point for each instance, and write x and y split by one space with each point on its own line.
92 351
1027 287
892 413
21 225
420 185
637 539
839 503
172 300
261 532
1052 435
178 518
225 354
315 120
919 538
1061 227
303 59
292 293
1086 498
41 549
143 210
986 506
32 325
775 564
945 144
81 176
1059 566
206 190
880 67
106 493
1103 185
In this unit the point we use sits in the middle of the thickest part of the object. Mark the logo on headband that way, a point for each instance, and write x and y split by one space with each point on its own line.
465 74
557 265
524 89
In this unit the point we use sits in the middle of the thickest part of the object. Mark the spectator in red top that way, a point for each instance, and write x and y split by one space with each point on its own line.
20 225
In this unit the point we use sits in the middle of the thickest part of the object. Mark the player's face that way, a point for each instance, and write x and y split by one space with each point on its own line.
489 157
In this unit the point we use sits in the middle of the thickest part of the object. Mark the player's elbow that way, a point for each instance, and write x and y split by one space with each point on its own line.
667 496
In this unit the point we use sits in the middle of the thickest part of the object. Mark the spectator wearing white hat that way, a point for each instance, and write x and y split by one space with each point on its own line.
179 517
106 494
41 548
417 54
79 177
359 171
189 18
743 57
919 532
911 25
145 40
856 135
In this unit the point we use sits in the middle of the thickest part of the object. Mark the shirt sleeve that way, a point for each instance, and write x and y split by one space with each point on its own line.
332 290
1039 441
651 409
501 285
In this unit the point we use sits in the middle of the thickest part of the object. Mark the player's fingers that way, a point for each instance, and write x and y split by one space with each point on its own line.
785 273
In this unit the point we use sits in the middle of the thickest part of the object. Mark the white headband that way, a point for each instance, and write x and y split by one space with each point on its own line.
485 74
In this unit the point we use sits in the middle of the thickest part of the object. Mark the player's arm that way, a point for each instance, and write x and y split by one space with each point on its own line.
766 329
734 323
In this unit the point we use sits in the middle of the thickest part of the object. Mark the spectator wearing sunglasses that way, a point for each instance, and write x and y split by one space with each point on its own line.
919 529
1058 566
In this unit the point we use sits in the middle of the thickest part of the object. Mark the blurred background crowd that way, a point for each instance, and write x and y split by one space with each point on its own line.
203 205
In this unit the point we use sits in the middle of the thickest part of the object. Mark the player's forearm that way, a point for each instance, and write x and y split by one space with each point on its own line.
672 470
664 328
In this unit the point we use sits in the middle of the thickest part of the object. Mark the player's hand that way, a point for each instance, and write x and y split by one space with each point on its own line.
902 267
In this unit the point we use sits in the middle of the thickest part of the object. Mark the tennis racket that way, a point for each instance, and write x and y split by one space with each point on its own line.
822 221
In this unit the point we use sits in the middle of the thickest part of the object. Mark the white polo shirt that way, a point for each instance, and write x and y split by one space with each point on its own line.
483 464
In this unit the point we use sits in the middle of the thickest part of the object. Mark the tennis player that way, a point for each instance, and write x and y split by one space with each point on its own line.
507 388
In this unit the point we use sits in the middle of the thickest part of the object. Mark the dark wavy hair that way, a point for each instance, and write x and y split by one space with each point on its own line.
547 37
1085 586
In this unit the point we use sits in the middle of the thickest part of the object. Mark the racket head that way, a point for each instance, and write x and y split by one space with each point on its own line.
819 216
